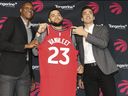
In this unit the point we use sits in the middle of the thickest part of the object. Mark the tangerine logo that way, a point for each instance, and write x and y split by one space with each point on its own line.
99 24
120 45
94 6
115 8
2 20
8 4
122 27
123 87
66 7
123 66
35 67
36 90
67 23
38 5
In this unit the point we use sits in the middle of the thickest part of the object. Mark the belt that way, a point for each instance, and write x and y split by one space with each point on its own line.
90 64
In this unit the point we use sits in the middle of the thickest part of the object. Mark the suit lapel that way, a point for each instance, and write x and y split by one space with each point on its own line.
22 26
95 29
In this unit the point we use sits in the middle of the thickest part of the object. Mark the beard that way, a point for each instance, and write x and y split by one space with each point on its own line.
57 24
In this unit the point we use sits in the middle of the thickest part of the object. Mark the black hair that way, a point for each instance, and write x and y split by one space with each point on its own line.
22 5
54 8
84 8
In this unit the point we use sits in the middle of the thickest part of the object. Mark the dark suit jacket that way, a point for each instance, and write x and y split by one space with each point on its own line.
13 38
99 40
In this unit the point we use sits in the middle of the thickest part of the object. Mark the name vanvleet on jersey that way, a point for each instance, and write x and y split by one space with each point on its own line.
59 40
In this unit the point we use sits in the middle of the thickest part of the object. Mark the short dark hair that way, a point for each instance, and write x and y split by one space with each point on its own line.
84 8
54 8
22 5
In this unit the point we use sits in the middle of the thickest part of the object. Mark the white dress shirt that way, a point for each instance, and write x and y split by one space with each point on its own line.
88 52
29 33
28 29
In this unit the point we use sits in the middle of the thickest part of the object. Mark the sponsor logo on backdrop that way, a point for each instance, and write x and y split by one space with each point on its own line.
94 6
38 5
122 66
101 94
67 23
115 8
8 4
65 7
99 24
123 86
35 67
34 24
2 20
120 45
36 90
122 27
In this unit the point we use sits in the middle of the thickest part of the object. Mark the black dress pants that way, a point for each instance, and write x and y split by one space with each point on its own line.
94 79
15 86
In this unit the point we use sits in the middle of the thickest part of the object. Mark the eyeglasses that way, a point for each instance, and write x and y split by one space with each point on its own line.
29 10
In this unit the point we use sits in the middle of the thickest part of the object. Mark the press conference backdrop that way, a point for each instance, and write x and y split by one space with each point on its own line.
113 14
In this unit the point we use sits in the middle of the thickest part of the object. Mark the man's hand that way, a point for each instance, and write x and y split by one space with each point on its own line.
42 27
80 69
81 84
80 31
32 44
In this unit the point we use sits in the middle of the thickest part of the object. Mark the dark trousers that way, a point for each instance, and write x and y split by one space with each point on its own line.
94 79
15 86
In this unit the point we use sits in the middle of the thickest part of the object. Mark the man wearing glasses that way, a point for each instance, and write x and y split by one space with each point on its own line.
15 47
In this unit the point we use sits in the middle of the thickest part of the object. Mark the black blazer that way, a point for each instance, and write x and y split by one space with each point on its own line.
13 38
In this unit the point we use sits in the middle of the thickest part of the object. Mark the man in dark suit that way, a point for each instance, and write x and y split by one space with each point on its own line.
99 66
15 45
